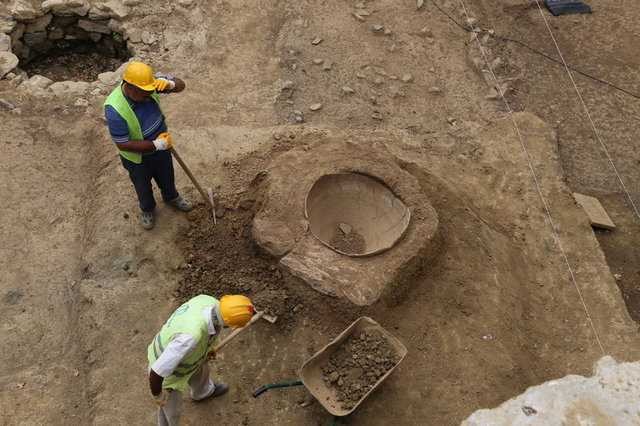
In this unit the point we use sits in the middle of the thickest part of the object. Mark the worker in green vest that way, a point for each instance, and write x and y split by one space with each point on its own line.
138 129
178 353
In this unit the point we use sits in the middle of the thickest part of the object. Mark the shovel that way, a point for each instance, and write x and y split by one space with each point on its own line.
270 318
208 199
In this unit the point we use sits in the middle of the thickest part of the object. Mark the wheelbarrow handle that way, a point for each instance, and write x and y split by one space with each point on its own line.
263 389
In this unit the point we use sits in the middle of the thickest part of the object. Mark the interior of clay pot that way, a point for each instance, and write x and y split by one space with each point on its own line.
355 214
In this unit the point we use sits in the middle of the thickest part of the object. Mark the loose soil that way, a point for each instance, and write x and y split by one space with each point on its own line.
351 242
357 365
222 259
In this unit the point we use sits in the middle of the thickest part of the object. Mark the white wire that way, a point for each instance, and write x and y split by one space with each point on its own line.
584 105
556 237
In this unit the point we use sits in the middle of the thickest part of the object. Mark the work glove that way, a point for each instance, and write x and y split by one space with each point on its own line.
161 398
163 142
161 84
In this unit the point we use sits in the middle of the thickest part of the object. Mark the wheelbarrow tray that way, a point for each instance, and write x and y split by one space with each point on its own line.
311 371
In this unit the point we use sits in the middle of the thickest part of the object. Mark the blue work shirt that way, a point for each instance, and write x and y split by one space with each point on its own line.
149 116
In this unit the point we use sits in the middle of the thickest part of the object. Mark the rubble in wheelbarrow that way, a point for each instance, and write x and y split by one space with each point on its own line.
357 365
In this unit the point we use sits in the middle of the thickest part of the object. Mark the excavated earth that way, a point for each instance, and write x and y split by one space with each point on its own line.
357 365
494 311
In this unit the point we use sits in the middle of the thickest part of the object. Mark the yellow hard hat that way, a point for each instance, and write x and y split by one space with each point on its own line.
140 75
236 310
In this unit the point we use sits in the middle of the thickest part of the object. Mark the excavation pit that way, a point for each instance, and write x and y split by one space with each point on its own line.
355 214
346 219
65 48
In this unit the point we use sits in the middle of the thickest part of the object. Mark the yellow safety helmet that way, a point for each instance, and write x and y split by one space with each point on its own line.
140 75
236 310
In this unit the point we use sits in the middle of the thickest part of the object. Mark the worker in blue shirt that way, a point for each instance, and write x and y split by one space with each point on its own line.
139 131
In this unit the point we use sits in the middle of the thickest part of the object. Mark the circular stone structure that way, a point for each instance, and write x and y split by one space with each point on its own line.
346 191
355 214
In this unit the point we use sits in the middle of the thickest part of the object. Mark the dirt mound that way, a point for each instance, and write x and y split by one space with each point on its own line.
357 365
222 260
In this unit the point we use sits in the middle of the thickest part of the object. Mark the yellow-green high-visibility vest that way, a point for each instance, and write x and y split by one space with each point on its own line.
119 102
187 319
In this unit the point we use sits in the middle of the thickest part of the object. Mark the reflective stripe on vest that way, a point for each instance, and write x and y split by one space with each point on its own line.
119 102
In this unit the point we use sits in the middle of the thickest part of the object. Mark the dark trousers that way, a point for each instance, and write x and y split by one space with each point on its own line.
157 166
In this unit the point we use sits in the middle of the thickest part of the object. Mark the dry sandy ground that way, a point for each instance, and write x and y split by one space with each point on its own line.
84 288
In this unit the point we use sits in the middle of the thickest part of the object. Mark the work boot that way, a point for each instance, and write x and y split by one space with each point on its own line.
218 390
181 204
146 220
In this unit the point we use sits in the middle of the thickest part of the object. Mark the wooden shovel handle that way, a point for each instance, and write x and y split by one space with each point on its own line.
186 169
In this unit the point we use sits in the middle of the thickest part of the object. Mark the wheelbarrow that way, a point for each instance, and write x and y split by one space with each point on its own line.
311 377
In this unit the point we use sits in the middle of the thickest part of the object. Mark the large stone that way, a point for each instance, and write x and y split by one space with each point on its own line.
7 24
18 32
98 14
74 89
35 84
109 78
8 61
39 25
66 7
113 8
610 397
23 10
5 42
597 214
94 26
281 225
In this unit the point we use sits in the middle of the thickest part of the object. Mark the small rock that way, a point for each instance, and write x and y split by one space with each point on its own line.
358 17
426 32
315 107
407 78
348 90
5 42
451 120
316 41
377 28
435 90
35 84
318 61
94 26
109 78
125 215
148 37
298 117
8 61
393 77
377 116
345 228
618 277
287 85
66 7
23 10
69 88
360 5
7 24
471 22
419 4
277 136
81 102
378 81
387 32
327 66
359 75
